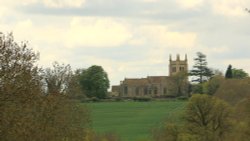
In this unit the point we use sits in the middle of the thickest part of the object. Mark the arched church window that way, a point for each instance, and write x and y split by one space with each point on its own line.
126 90
155 90
137 91
165 90
174 69
145 91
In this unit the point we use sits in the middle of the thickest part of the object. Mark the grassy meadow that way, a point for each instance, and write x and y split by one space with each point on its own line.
133 121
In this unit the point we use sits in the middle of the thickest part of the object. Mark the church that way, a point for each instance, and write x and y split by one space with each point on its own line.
156 86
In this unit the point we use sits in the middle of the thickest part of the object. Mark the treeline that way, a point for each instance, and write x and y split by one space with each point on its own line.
38 104
80 84
218 109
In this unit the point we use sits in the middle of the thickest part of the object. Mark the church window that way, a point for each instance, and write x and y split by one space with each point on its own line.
126 90
155 90
137 91
174 69
182 69
145 91
165 90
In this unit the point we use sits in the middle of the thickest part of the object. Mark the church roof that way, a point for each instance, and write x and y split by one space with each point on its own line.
144 81
157 79
135 81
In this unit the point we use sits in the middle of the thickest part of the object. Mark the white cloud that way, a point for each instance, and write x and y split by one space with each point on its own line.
63 3
149 1
79 32
230 7
97 32
47 3
27 2
137 41
190 4
162 36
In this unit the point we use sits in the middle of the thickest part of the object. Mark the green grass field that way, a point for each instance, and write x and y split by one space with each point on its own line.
133 121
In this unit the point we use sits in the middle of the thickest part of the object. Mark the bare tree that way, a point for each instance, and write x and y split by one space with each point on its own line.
57 78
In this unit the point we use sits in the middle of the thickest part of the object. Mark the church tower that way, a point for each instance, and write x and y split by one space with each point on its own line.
178 65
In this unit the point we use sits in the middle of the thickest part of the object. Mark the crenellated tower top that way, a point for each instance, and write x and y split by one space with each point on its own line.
178 65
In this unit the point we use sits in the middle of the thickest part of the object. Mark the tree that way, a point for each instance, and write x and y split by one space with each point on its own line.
208 118
239 73
169 132
57 78
181 83
20 86
210 87
26 113
95 82
74 87
200 69
229 72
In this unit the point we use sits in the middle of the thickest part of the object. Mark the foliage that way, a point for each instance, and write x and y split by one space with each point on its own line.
235 73
236 93
92 136
229 72
200 69
57 78
242 116
95 82
182 98
19 88
210 87
239 73
74 90
170 132
197 88
181 84
26 113
233 90
208 118
142 99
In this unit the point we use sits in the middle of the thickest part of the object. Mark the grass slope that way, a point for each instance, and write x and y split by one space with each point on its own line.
133 121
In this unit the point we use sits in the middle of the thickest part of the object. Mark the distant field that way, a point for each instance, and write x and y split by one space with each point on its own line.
133 121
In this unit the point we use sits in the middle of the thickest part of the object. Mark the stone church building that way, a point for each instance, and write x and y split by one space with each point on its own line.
156 86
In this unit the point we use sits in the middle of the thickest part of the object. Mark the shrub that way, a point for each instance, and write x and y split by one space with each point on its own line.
142 99
118 99
182 98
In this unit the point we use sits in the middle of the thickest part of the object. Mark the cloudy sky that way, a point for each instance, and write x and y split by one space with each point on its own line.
131 38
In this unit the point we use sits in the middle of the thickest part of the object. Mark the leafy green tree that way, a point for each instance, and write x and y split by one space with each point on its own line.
229 72
169 132
211 86
197 88
95 82
239 73
208 118
200 69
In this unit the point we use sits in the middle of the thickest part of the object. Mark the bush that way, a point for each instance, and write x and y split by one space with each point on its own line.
118 99
92 99
182 98
142 99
